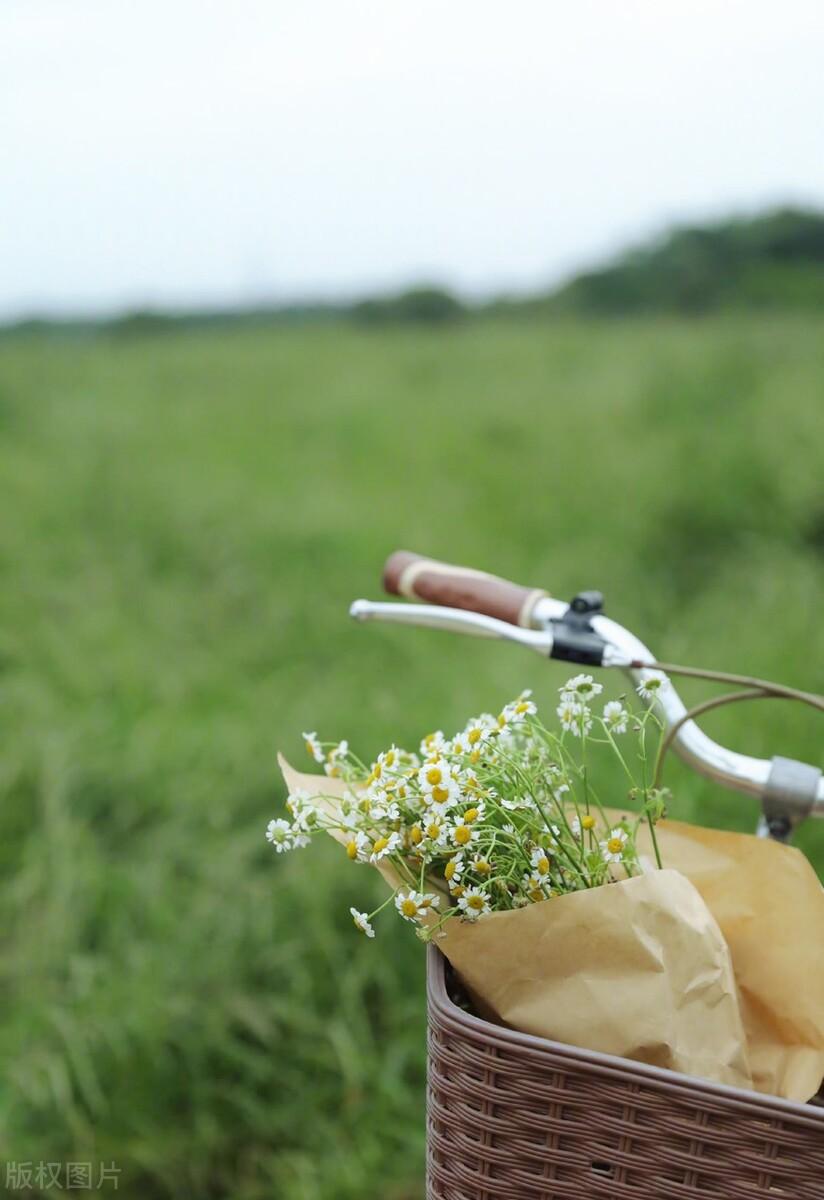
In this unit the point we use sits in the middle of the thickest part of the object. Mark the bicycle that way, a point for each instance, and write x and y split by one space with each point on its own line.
516 1117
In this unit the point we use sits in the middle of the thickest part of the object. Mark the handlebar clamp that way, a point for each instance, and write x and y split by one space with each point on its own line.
574 639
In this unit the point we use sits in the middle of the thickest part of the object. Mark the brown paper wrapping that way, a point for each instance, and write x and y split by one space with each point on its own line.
769 905
713 967
639 969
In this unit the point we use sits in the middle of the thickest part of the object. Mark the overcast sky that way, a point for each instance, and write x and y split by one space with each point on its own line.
177 152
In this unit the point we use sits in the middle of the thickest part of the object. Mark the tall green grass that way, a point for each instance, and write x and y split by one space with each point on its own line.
185 520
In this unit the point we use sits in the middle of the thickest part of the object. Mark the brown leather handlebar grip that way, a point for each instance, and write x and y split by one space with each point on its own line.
419 578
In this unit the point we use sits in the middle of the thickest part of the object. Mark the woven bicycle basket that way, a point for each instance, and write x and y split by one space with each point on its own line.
515 1117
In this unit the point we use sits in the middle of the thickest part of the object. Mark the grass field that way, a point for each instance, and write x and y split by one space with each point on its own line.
186 518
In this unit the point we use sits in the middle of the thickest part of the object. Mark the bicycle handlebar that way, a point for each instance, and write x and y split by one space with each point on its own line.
467 600
418 578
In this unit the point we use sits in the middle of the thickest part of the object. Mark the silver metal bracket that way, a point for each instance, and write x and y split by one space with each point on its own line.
789 797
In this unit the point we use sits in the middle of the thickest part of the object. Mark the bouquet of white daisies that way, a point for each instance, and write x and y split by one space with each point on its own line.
499 816
549 896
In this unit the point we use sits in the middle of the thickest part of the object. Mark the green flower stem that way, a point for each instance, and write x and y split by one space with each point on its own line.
650 822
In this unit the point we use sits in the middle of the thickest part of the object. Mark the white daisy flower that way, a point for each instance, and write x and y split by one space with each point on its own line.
478 732
435 831
537 887
574 716
413 906
313 746
581 687
651 684
612 848
382 807
453 870
581 824
358 846
386 844
302 809
459 744
435 772
390 760
567 712
481 865
398 788
540 861
441 810
475 812
473 904
615 717
279 833
440 788
362 922
518 710
441 799
433 743
335 758
462 835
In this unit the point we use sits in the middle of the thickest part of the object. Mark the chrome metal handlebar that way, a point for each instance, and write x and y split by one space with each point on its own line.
754 776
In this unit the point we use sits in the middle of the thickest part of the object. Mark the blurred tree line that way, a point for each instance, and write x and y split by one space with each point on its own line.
775 260
771 261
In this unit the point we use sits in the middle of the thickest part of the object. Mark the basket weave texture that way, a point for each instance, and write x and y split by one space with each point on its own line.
515 1117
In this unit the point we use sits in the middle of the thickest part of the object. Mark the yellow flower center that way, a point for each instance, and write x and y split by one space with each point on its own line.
449 870
434 775
615 845
310 749
474 736
429 739
501 720
409 908
433 831
462 834
380 844
352 848
522 707
439 794
471 815
587 822
416 835
482 867
389 758
475 757
457 889
476 902
535 895
542 865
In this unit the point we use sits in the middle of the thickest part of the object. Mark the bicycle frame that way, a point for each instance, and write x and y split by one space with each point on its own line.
789 791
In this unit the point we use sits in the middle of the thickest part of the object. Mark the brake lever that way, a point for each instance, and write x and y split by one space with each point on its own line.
569 641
